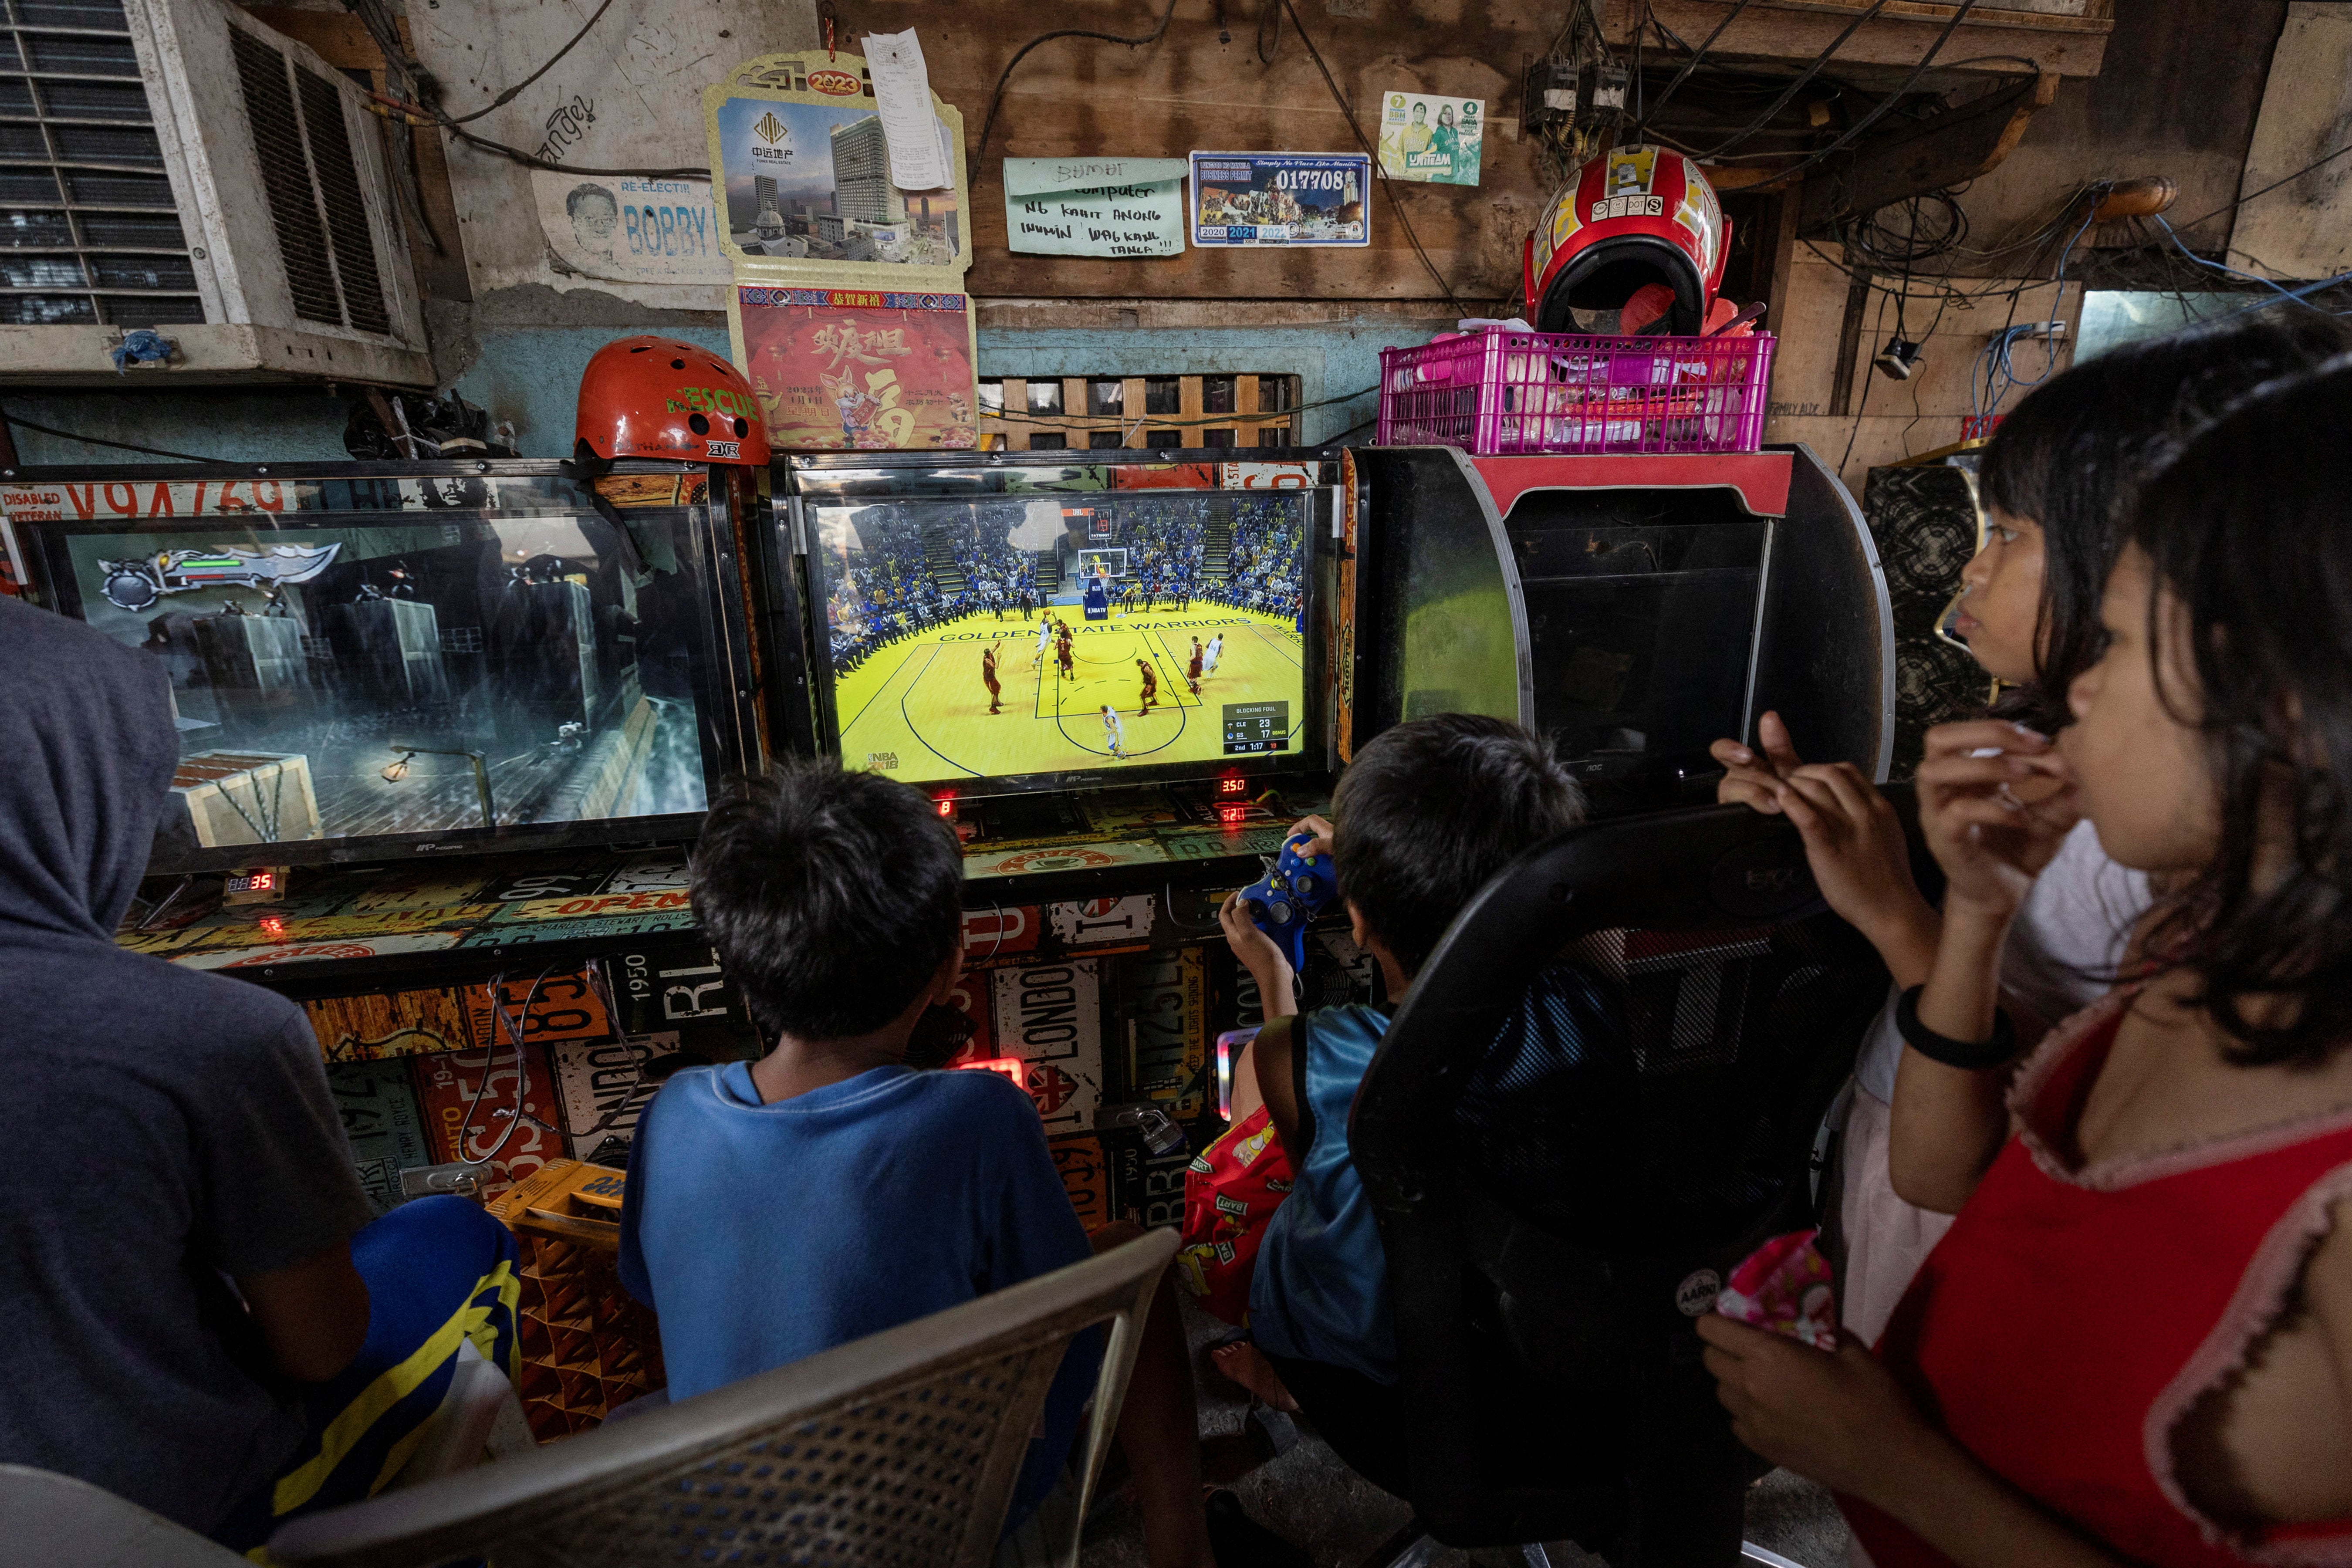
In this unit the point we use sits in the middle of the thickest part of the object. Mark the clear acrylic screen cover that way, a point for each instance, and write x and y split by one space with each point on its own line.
384 659
1183 609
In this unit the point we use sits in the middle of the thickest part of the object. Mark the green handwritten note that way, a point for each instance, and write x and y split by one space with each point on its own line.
1095 206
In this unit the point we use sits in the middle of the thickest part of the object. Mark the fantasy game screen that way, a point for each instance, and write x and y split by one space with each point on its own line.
1014 635
428 656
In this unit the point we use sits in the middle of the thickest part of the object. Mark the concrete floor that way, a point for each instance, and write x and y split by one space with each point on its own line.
1311 1500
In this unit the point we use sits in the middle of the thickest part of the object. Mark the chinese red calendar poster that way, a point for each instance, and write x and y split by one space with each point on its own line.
859 367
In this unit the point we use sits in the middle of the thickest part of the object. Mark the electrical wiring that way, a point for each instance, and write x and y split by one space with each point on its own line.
1996 374
2324 158
17 422
427 116
2178 244
996 99
510 94
1388 187
1690 65
1862 405
403 68
522 1064
1797 86
1960 14
1881 246
2300 296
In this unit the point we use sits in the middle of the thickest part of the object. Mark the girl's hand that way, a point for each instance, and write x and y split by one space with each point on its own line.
1996 801
1753 780
1259 953
1836 1417
1855 844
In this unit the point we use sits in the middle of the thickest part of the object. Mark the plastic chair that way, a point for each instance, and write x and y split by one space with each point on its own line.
48 1518
1549 1247
901 1447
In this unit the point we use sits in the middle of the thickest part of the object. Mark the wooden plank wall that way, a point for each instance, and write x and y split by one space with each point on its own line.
1854 417
1258 414
1189 92
1193 91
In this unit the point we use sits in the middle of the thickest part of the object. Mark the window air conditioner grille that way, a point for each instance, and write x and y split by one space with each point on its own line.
340 193
261 72
88 229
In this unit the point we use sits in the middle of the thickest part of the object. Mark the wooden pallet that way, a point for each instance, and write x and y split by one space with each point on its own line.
1150 410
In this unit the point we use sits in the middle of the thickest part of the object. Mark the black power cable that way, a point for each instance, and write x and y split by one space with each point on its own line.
1348 112
1960 14
1794 87
509 95
1690 65
996 99
21 423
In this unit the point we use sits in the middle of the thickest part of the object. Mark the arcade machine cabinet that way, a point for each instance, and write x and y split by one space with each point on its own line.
446 730
1634 607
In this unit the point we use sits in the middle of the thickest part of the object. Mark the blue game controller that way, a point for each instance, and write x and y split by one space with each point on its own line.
1297 888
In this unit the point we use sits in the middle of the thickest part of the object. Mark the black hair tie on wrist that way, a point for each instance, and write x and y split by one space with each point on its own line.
1968 1055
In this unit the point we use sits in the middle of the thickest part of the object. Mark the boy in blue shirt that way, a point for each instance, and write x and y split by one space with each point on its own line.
1427 813
826 1192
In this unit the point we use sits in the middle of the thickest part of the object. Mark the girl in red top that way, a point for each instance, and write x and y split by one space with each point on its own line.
2135 1345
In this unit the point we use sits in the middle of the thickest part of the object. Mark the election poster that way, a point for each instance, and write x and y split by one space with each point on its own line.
1431 139
629 229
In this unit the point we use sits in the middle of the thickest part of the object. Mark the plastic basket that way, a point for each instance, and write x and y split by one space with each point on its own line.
1500 394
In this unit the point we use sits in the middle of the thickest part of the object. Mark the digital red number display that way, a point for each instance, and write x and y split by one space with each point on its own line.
1012 1068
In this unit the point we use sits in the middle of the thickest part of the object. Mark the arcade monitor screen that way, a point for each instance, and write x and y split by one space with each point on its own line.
1033 640
362 665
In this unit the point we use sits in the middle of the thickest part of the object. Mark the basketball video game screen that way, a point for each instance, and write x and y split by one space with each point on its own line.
1013 637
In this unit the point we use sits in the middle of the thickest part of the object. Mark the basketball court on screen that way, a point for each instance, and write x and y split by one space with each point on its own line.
918 710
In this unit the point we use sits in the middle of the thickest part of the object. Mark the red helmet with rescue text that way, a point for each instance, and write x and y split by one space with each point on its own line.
660 397
1632 217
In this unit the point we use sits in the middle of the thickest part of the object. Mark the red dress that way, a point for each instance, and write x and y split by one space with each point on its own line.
2072 1317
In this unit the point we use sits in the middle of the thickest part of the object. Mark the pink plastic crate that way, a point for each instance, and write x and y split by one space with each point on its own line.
1500 394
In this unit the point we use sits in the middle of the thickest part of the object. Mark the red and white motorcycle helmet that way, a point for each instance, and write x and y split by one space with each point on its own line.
660 397
1633 217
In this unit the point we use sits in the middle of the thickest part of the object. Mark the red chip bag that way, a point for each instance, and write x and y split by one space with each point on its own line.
1231 1190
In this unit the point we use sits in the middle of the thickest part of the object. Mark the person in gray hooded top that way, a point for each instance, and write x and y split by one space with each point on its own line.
187 1296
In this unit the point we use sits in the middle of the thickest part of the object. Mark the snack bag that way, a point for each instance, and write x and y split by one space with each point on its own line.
1784 1286
1231 1190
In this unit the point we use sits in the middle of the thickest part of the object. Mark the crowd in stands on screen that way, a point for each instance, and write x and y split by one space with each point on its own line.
998 578
1171 552
1265 562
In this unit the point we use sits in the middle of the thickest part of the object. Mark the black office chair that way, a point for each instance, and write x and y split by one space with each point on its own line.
1554 1226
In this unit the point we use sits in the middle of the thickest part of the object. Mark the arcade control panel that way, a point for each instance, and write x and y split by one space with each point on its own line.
553 994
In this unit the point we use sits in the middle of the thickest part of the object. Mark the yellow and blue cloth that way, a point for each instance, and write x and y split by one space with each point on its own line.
439 1272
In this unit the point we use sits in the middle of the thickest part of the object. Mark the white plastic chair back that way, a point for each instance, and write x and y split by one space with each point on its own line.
900 1448
46 1518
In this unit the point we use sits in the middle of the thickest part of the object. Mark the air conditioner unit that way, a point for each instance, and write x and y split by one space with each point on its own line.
175 164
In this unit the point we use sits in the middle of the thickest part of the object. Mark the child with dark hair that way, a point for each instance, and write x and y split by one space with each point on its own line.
2053 479
1427 813
2154 1233
828 1190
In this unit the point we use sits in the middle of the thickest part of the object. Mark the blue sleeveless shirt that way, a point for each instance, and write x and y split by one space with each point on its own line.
1321 1290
